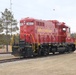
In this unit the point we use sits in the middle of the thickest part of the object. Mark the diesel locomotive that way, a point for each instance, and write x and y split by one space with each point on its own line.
41 37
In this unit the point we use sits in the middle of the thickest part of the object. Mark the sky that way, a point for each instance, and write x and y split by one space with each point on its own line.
61 10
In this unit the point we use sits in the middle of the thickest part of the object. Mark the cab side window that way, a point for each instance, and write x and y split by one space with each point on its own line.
40 23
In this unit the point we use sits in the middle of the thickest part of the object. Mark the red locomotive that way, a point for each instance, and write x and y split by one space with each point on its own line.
41 37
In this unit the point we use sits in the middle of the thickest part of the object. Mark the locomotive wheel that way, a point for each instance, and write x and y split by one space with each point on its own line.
73 48
54 50
62 52
45 52
70 50
39 52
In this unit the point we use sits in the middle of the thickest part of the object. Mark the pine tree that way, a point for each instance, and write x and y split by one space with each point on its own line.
8 24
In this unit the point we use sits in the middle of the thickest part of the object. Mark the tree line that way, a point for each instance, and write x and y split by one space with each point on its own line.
10 40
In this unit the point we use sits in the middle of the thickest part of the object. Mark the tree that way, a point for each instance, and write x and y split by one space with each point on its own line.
73 35
1 28
3 40
8 24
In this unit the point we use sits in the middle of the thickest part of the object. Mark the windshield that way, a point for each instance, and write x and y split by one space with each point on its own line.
29 23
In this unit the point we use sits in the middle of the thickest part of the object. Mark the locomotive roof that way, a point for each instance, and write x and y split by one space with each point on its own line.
56 22
32 19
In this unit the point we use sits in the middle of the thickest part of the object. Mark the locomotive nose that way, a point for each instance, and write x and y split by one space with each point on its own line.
26 30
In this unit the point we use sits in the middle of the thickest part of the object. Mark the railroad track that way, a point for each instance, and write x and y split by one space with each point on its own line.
27 58
19 59
10 60
5 52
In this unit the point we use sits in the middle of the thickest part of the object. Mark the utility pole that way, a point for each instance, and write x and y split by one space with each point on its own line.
11 5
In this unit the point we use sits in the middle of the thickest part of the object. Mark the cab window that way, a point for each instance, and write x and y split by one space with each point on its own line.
40 23
29 23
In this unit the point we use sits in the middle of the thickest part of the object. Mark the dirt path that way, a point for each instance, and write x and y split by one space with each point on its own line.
53 65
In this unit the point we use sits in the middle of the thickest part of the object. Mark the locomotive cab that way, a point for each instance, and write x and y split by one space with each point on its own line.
27 29
63 32
24 48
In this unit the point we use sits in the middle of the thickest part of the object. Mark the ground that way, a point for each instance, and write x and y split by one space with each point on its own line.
64 64
3 49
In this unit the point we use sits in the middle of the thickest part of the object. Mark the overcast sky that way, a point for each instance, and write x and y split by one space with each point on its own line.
62 10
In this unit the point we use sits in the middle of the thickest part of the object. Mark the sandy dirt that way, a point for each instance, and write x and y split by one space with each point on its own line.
6 56
52 65
3 49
